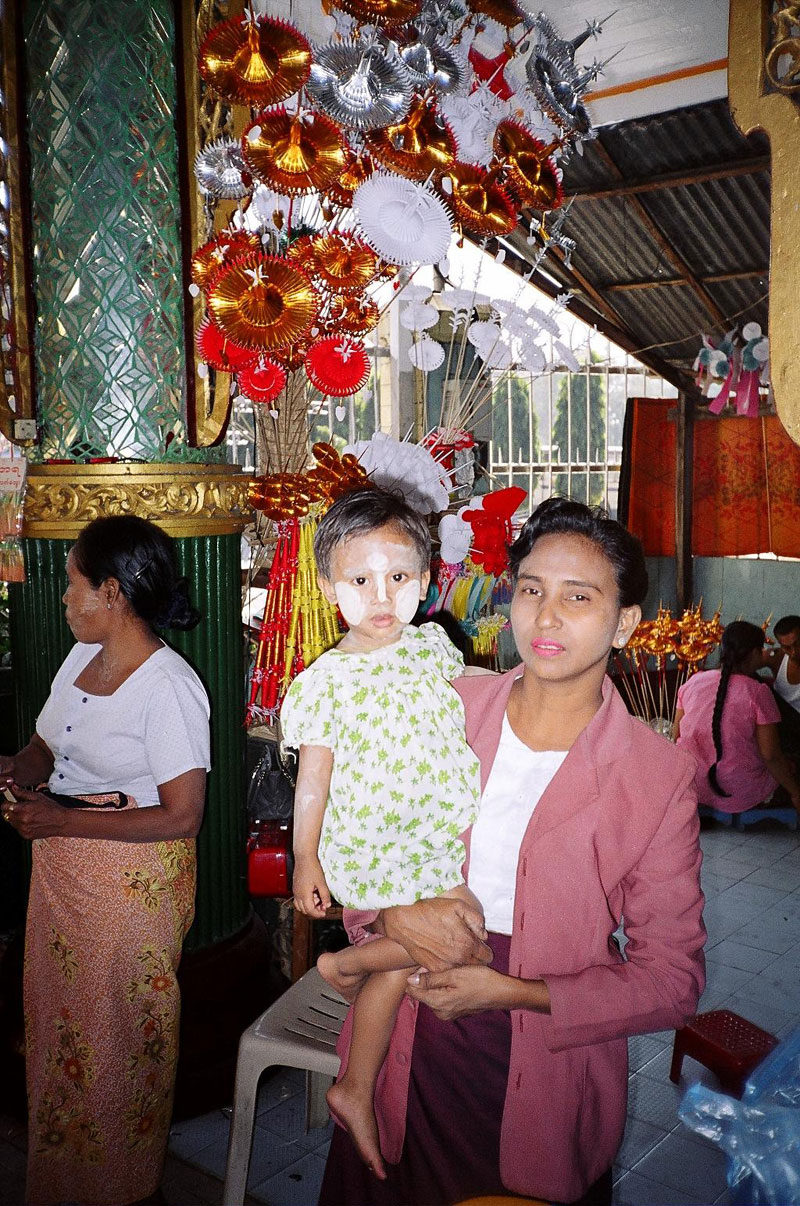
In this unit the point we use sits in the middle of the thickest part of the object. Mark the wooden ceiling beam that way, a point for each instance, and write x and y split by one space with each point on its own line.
663 243
713 279
679 179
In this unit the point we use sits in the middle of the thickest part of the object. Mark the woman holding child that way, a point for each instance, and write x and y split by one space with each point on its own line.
507 1066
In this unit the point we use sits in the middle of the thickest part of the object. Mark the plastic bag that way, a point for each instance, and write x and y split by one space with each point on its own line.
759 1134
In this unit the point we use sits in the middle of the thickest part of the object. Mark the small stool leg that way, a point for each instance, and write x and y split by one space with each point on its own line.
317 1112
677 1058
248 1074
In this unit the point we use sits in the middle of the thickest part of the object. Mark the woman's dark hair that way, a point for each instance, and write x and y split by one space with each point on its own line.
363 511
738 640
142 559
562 516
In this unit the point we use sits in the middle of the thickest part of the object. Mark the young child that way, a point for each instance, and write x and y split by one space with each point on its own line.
386 782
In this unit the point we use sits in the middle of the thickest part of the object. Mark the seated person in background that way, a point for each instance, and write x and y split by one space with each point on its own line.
784 664
728 720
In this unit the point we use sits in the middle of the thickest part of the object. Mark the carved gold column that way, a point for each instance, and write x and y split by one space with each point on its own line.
764 91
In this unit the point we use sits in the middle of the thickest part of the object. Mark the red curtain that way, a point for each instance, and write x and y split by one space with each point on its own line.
746 484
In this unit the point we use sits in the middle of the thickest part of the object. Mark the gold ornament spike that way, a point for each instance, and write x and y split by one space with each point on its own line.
758 103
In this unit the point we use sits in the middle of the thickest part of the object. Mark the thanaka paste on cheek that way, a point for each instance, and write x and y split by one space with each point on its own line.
351 604
406 601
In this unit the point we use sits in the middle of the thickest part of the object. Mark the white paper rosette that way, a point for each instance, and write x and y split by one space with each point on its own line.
404 222
408 469
426 354
418 316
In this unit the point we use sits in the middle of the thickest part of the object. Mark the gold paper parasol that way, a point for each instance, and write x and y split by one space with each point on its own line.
381 12
480 204
262 301
292 356
530 172
417 146
356 315
358 168
208 259
256 63
294 153
338 260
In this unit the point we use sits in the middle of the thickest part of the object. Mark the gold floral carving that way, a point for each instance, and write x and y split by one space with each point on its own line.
185 500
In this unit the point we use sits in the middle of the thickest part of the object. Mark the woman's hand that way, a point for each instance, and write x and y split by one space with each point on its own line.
438 933
34 815
462 991
311 893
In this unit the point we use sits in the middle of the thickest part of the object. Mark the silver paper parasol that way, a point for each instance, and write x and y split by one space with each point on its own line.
359 86
220 170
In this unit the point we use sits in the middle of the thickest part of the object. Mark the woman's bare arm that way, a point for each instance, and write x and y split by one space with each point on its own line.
32 765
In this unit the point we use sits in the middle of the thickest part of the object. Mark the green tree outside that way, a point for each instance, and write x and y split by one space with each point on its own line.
570 437
524 433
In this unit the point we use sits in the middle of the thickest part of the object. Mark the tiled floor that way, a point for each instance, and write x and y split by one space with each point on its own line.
752 885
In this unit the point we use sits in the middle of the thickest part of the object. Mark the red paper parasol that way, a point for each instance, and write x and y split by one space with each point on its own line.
222 353
262 382
337 366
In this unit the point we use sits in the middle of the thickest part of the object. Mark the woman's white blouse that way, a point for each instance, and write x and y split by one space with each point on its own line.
153 728
515 785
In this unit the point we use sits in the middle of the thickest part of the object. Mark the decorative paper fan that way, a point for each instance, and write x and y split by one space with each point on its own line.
426 354
407 468
413 292
337 366
262 301
505 12
431 63
262 382
256 63
532 359
481 205
458 299
294 153
208 259
417 146
339 260
557 86
381 12
358 168
498 357
418 316
483 335
530 171
220 170
358 85
404 222
292 356
356 315
567 355
220 352
471 126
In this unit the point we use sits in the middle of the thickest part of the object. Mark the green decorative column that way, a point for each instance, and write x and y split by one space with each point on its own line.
107 276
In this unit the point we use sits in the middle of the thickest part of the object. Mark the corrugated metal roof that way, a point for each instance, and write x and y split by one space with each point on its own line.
717 227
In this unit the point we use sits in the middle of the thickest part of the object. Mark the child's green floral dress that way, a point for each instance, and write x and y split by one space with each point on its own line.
405 783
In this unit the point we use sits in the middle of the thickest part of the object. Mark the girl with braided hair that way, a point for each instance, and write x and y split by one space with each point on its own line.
728 719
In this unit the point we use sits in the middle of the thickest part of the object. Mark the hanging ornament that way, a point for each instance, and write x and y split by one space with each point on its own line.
404 222
426 354
263 381
220 170
555 80
355 315
337 366
418 316
358 85
431 64
255 63
421 144
381 12
357 169
339 260
220 352
530 172
291 356
213 255
294 153
480 203
262 301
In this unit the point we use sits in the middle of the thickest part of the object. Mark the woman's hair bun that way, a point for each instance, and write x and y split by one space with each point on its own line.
178 612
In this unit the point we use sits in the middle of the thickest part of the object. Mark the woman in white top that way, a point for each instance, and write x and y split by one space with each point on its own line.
122 744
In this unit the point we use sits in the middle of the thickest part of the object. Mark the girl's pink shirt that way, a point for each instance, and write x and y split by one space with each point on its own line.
741 772
616 829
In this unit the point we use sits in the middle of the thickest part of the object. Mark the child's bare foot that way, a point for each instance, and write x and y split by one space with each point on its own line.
333 967
357 1114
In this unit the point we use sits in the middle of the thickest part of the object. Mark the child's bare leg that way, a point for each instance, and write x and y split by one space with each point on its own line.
351 1099
347 970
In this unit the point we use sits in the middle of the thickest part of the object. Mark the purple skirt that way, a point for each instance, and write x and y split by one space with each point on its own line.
457 1091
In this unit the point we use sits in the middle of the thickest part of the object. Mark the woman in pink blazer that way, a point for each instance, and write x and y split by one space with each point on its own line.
508 1066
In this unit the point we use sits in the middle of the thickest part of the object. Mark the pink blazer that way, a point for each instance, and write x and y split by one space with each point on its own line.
615 833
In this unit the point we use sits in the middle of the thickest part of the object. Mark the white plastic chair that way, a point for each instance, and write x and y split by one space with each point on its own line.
298 1031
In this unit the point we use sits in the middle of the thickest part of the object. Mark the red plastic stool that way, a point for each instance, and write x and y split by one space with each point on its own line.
730 1046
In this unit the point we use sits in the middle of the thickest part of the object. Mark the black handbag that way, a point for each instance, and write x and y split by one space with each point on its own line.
270 794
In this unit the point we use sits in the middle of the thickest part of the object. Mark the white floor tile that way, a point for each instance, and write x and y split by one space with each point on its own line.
685 1166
